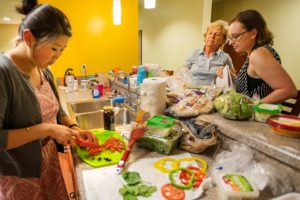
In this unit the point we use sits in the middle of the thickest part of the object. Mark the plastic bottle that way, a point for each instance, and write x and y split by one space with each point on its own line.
141 75
70 83
75 85
117 101
96 92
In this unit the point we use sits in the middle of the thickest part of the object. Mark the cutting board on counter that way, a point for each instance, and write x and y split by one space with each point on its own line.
103 183
106 157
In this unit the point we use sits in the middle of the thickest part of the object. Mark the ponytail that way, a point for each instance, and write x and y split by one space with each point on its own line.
27 6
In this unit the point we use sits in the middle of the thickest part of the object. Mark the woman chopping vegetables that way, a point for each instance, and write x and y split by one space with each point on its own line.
32 122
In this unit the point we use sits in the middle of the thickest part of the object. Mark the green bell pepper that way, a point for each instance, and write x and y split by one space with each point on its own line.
173 176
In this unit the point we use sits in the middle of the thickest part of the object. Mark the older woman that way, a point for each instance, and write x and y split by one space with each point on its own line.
204 63
262 75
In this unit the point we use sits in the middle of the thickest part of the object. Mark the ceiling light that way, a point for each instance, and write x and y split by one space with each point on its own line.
6 19
117 12
149 4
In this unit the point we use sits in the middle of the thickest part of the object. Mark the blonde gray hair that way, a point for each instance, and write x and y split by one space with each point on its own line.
219 24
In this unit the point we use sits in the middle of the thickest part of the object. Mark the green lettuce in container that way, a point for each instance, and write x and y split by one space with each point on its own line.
233 105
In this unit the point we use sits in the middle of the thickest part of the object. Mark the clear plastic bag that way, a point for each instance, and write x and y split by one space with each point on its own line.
240 159
180 79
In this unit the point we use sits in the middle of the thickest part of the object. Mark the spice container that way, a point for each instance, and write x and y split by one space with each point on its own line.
109 123
262 111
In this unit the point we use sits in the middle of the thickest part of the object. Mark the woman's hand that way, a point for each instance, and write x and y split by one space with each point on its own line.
86 135
219 71
62 134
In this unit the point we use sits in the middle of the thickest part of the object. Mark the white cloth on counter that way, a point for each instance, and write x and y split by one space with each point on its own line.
153 95
103 183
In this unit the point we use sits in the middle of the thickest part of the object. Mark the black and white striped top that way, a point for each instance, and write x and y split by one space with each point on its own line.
253 86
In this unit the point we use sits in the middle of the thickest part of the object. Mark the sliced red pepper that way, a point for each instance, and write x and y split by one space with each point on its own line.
199 176
85 143
176 173
94 150
114 144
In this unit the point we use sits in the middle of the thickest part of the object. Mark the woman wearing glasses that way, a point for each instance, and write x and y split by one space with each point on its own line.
204 63
262 75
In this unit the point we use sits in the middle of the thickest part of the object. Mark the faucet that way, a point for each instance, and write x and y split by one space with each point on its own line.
115 78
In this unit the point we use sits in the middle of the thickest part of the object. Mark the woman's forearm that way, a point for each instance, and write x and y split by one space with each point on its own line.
19 137
278 96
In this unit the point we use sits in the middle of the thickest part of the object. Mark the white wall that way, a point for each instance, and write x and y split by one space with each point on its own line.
172 30
282 18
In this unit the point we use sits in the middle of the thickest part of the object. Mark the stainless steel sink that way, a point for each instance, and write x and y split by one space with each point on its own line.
91 120
89 106
89 114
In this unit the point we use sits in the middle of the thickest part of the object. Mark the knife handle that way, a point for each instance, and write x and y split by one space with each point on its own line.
121 163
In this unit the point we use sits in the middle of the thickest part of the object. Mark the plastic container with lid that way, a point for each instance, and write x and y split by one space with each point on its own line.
235 186
286 125
262 111
160 125
161 145
162 135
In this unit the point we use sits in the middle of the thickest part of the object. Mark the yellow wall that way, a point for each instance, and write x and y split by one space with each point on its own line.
8 34
96 42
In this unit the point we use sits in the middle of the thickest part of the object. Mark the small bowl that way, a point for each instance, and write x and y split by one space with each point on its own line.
286 125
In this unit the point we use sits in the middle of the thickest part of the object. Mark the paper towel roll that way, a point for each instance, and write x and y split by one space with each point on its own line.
153 95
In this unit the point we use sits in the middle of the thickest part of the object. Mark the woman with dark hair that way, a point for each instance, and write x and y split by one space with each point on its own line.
262 75
33 125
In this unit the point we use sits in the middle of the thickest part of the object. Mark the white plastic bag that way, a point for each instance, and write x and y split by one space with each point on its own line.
226 81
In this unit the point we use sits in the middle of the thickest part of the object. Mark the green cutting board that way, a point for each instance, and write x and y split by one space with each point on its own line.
100 159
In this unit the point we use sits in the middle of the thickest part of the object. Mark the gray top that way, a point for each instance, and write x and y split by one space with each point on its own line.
203 68
19 108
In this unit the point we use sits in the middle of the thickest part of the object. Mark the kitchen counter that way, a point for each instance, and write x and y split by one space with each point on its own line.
282 152
137 154
260 137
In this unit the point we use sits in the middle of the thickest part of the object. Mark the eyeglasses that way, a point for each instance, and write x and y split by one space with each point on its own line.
236 37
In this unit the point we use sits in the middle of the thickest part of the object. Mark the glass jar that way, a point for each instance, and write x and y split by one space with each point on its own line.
109 122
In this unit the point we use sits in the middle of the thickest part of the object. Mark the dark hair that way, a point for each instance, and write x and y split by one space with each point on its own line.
252 19
44 21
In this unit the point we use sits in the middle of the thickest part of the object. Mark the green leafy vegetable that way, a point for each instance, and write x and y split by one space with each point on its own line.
134 187
233 105
131 178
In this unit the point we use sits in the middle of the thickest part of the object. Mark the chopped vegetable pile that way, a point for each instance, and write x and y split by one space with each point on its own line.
112 144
